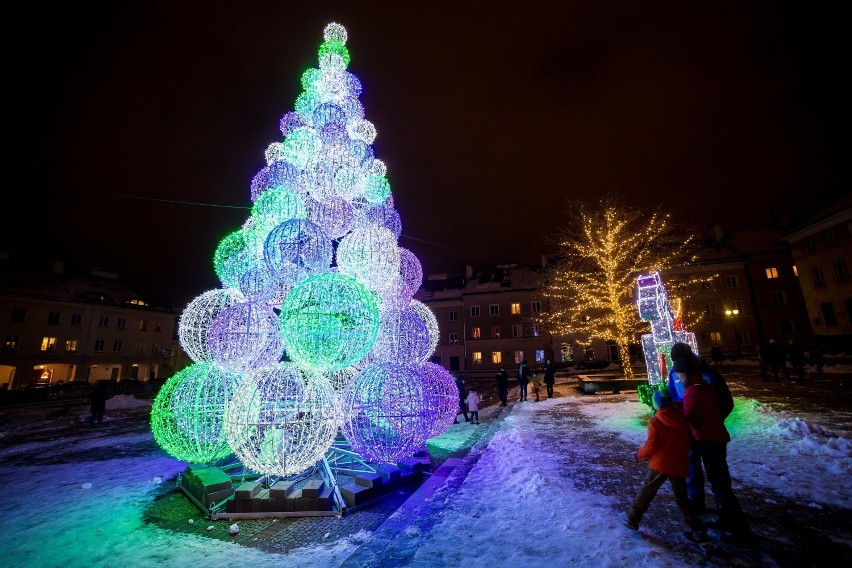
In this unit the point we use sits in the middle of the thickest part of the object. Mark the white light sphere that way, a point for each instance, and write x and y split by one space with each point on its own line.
301 144
333 172
444 398
334 215
282 420
199 315
403 337
428 317
362 129
370 254
411 271
245 337
334 32
378 215
384 412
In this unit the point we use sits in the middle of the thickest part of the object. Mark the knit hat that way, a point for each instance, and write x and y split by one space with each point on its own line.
680 350
661 399
685 365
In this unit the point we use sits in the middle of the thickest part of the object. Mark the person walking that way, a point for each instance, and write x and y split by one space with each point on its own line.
523 380
503 386
708 430
716 355
536 384
462 396
695 483
776 359
797 359
98 406
666 450
549 377
473 399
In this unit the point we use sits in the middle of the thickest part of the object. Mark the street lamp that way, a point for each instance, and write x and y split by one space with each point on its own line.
733 314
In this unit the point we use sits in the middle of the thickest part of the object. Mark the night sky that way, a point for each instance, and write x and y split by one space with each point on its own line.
491 121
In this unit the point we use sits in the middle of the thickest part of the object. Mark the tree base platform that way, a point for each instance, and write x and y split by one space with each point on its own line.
591 384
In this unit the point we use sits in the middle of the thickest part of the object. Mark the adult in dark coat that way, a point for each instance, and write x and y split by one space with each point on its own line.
549 377
797 359
708 430
462 397
776 358
503 386
725 402
99 398
523 380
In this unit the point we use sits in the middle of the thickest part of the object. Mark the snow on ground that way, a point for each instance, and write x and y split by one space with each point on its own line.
769 448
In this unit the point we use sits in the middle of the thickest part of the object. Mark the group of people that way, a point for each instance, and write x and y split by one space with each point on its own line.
687 432
773 358
469 399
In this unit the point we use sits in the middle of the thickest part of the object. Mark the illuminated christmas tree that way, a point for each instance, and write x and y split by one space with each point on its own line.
315 326
603 250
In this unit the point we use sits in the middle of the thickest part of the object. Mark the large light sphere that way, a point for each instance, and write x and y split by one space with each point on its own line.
301 144
283 174
411 271
334 215
305 105
282 420
309 80
293 120
274 207
352 107
259 183
335 32
329 321
297 242
333 172
328 112
188 414
274 153
384 412
198 316
258 284
362 151
403 337
376 188
245 337
378 215
362 129
370 254
333 55
443 396
232 259
428 317
334 134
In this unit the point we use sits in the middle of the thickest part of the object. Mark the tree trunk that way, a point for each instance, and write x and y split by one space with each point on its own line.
624 353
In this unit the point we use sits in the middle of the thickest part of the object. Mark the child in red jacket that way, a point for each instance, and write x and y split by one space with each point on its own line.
667 449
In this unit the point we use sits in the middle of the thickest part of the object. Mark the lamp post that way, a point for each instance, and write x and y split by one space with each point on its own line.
733 314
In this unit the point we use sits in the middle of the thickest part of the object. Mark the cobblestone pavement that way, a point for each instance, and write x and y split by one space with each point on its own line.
791 533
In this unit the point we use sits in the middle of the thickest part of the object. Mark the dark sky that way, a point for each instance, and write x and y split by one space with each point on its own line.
491 120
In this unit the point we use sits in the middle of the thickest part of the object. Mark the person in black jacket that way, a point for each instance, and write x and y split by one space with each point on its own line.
462 397
724 400
503 386
523 380
99 398
549 377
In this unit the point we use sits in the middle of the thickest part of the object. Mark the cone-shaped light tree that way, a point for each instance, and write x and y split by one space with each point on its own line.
602 249
315 326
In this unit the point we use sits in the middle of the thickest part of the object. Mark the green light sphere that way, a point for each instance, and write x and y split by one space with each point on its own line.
329 321
232 259
188 414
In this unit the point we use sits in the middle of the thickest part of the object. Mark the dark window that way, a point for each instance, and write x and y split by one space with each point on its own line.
19 315
841 270
103 321
158 326
828 315
536 307
785 326
53 318
474 311
99 345
732 282
847 304
830 237
809 245
494 310
454 338
778 298
121 323
737 305
76 319
454 363
710 308
819 277
117 345
454 316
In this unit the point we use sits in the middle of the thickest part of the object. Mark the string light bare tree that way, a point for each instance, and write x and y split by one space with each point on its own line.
602 249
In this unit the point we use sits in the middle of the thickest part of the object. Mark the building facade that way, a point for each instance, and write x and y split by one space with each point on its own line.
58 328
822 252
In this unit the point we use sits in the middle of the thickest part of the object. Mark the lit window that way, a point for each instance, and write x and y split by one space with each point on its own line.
137 302
475 333
539 356
103 321
477 357
474 311
48 343
494 310
715 336
495 332
454 339
771 272
10 343
99 345
71 345
795 271
536 330
454 316
516 309
121 324
536 307
496 357
53 318
143 325
519 356
516 330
